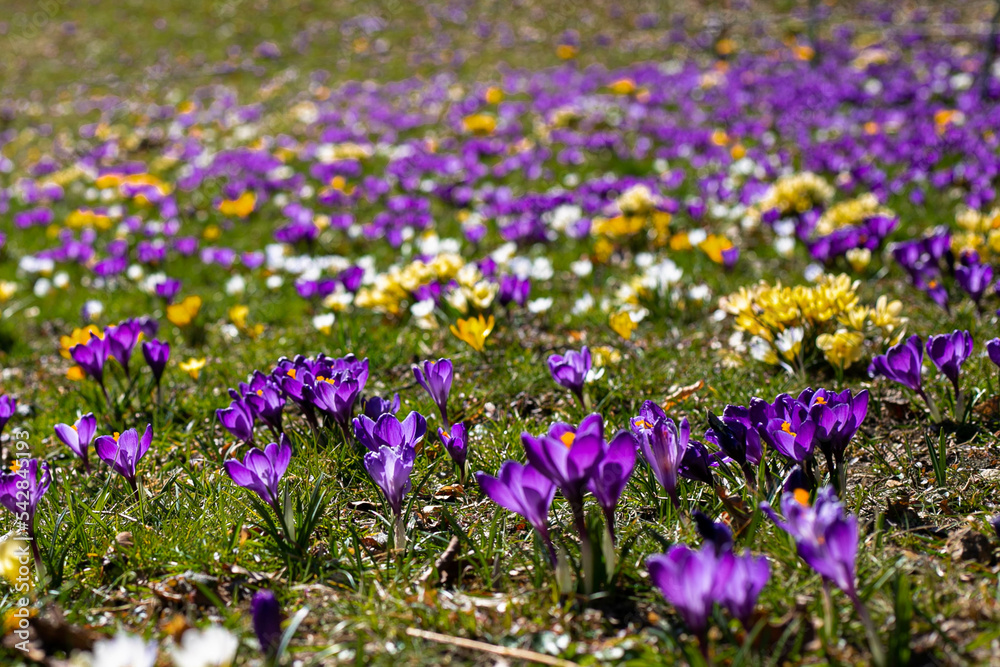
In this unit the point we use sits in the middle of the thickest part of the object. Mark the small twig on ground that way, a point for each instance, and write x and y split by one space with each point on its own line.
472 644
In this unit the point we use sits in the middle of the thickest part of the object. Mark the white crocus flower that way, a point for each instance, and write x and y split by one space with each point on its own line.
236 285
457 300
212 647
42 287
789 342
761 350
324 323
583 304
540 305
124 650
582 268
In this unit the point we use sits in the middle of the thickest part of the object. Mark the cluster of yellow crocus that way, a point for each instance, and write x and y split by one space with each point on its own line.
473 292
241 207
392 288
78 337
479 123
781 320
850 212
81 218
638 214
980 232
796 193
118 180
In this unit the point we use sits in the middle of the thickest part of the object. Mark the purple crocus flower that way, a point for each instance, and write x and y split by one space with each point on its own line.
663 446
993 350
123 452
167 289
697 463
949 352
90 356
524 490
148 326
336 398
715 533
456 444
261 471
747 576
729 258
902 363
78 436
157 353
737 439
388 431
612 475
649 414
435 377
974 278
826 537
928 279
513 290
837 416
121 340
794 438
266 614
376 406
390 468
8 407
692 581
570 370
568 456
267 403
238 419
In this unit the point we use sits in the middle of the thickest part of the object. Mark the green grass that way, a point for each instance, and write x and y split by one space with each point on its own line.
194 524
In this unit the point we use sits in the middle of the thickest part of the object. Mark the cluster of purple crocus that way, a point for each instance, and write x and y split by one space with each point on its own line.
577 461
929 259
797 428
903 363
868 234
118 342
694 581
121 451
326 391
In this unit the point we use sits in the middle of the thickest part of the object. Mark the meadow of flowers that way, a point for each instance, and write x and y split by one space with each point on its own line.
442 333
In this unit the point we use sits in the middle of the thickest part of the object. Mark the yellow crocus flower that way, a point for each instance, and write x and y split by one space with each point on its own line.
474 331
181 314
193 367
